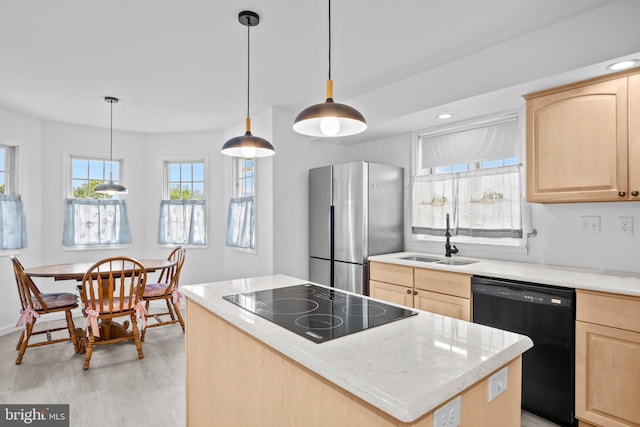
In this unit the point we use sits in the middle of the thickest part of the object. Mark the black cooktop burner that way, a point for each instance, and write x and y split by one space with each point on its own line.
317 313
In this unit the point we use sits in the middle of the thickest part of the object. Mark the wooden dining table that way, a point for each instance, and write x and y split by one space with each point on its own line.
76 271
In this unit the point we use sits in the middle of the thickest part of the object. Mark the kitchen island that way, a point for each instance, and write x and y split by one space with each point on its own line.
244 370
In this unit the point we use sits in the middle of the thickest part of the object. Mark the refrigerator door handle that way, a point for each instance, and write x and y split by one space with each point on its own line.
332 255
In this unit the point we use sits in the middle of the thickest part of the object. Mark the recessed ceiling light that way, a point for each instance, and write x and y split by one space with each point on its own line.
623 65
444 116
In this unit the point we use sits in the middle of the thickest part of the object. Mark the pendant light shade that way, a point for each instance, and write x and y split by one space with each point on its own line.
110 187
329 119
248 145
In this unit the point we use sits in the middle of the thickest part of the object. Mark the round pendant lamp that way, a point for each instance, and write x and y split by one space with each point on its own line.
329 119
110 187
248 145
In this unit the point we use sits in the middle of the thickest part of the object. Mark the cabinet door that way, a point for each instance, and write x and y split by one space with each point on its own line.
634 137
446 305
607 375
577 144
396 294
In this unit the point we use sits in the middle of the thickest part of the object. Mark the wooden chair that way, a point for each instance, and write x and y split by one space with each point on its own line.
35 304
113 288
167 289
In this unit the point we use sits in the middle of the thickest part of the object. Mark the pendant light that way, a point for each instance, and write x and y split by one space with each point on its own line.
329 119
111 187
247 145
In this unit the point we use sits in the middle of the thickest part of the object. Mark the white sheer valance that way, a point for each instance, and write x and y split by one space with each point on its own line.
183 222
95 222
241 223
482 203
13 225
492 139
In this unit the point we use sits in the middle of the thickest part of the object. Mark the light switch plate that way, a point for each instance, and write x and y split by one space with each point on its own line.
590 224
498 383
448 415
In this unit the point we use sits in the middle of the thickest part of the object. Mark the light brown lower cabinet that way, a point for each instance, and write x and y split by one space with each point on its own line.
233 379
607 360
441 292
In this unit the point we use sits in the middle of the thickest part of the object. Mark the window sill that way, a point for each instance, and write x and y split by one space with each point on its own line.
94 247
472 248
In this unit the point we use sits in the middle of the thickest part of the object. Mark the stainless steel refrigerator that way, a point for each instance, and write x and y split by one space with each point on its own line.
355 211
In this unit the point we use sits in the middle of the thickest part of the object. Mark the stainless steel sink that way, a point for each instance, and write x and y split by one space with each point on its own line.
455 262
420 258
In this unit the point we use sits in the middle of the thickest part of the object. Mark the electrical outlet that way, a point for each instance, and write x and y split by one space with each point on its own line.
625 225
590 224
448 415
498 383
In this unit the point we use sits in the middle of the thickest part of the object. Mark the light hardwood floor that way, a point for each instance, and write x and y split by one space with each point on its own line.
118 389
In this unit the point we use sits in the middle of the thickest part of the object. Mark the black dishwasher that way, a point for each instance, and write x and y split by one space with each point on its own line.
546 314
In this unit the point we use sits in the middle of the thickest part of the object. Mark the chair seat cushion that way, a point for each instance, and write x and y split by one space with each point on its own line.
155 289
55 300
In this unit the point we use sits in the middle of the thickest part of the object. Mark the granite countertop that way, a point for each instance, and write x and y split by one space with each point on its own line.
405 368
571 277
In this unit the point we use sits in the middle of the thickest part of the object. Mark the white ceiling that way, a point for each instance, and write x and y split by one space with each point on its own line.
180 66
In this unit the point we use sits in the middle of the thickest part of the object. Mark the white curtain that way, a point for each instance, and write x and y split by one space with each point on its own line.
241 223
95 222
13 225
183 222
482 202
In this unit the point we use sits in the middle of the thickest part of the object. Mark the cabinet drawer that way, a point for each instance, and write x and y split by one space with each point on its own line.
444 282
618 311
391 273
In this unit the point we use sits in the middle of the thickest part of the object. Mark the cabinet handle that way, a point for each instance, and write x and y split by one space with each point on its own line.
409 291
635 193
415 292
622 194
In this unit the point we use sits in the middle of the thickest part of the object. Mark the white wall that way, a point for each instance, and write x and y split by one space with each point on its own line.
25 132
558 239
201 264
295 155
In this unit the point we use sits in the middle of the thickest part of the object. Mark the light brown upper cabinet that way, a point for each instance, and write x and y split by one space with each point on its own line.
583 141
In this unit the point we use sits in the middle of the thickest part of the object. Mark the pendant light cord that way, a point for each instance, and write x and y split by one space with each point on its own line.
248 61
329 39
111 135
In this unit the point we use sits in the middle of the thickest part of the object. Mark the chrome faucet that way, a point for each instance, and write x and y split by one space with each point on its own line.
448 247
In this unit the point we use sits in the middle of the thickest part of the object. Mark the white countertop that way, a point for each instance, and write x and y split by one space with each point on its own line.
580 278
405 368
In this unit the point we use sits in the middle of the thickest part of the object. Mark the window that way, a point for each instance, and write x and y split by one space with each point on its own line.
183 219
7 169
241 226
94 219
185 180
474 174
13 224
87 174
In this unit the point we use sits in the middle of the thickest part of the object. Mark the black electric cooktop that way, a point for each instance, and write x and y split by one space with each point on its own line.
318 313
